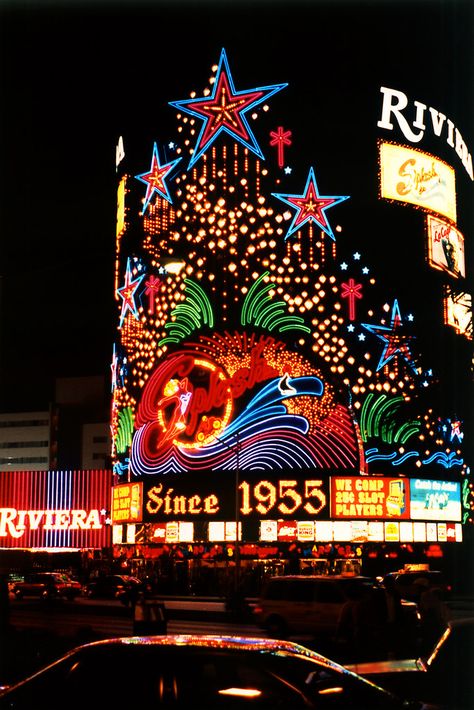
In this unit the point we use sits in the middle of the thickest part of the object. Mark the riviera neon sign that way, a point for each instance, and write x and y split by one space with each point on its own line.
14 523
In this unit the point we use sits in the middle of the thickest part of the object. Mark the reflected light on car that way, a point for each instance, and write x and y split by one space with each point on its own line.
438 646
331 691
241 692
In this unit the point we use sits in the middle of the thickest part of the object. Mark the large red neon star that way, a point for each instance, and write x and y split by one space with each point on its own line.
224 111
310 206
154 179
127 294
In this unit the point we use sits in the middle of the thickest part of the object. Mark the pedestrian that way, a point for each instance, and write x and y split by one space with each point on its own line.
395 630
434 615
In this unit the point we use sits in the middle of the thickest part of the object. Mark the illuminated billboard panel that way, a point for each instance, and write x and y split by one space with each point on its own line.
445 247
373 497
435 500
458 311
55 509
408 175
127 503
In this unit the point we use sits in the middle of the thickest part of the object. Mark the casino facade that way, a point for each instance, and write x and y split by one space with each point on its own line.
277 389
271 396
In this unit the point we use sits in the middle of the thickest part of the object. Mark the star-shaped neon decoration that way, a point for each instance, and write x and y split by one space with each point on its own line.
154 179
224 111
310 206
127 294
395 342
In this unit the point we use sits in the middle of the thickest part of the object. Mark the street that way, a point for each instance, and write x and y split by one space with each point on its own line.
40 631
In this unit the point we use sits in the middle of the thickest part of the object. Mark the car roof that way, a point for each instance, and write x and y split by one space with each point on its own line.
329 577
213 642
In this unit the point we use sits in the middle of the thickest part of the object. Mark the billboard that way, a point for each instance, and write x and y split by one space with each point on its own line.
458 311
374 497
408 175
127 502
55 509
445 247
435 500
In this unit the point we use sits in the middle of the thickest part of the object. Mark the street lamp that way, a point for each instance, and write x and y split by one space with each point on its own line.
236 503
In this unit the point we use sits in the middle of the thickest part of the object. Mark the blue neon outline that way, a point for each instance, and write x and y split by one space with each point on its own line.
252 142
311 179
125 305
374 328
166 195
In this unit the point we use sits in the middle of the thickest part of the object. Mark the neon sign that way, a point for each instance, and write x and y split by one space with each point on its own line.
394 102
179 498
14 523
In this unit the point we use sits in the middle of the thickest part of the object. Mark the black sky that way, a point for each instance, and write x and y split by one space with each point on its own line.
76 75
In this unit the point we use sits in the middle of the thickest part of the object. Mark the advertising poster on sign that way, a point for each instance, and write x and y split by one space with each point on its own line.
127 501
458 311
435 500
408 175
445 247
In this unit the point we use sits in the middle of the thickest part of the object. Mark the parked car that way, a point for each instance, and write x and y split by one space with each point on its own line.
443 677
188 671
411 583
113 586
46 585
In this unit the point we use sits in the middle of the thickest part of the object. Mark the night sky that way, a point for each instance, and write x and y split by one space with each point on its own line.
74 76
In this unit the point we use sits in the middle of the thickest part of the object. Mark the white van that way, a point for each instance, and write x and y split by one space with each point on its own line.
306 604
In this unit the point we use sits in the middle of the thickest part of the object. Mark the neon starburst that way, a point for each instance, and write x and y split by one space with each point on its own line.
154 179
395 342
127 294
224 111
310 206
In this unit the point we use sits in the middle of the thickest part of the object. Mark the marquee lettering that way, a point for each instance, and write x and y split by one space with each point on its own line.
394 102
262 498
14 523
169 504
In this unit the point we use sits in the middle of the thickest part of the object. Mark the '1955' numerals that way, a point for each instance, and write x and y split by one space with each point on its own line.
263 496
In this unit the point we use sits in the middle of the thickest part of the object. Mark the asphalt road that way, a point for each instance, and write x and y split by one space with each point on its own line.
40 631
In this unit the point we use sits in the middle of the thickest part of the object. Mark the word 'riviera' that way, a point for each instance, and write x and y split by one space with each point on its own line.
394 102
14 522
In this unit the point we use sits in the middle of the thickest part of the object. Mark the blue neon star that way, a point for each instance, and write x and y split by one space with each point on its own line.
395 343
310 206
224 111
154 179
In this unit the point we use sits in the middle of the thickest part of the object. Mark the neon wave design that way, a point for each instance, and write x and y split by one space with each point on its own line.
405 457
444 459
372 455
265 403
280 442
440 457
